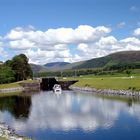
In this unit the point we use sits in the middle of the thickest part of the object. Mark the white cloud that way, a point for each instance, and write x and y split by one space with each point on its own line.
130 43
100 48
55 44
107 41
91 114
21 44
132 40
107 45
42 56
82 33
83 47
136 32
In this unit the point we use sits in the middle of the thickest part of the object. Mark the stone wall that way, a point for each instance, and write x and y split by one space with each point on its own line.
108 91
9 90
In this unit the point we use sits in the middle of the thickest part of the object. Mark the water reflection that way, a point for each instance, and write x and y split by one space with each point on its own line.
16 105
69 111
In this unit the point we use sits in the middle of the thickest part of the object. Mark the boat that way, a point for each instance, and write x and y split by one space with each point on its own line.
57 89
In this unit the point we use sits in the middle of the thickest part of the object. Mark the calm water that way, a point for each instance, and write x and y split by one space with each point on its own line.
71 116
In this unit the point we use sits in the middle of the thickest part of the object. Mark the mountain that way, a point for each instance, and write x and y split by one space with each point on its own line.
56 65
38 68
115 59
118 58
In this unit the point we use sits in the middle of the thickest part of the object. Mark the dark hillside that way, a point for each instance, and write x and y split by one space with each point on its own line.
119 58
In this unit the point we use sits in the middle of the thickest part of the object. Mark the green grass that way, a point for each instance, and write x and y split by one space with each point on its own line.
28 81
11 85
117 83
16 84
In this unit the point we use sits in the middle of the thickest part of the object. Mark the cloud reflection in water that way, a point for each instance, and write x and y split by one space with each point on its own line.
70 111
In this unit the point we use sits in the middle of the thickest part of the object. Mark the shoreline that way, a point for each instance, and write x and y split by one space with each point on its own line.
10 90
114 92
8 133
21 88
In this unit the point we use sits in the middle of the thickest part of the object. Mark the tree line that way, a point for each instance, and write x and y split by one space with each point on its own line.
15 70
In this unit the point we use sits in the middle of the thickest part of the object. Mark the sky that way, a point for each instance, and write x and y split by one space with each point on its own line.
68 30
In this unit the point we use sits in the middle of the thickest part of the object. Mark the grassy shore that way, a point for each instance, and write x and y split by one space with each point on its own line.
16 84
117 83
10 85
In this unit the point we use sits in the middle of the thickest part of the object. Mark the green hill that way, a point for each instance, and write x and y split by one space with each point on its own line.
113 61
125 58
56 65
38 68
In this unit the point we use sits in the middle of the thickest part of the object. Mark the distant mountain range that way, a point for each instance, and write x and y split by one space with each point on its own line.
131 57
56 65
38 68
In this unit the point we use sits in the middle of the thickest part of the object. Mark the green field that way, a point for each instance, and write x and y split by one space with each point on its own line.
108 82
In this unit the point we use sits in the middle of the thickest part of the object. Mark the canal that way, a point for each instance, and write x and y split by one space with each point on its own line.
71 115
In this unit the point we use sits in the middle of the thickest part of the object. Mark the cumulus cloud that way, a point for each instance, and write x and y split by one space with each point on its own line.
130 43
89 113
136 32
55 44
82 33
21 44
107 45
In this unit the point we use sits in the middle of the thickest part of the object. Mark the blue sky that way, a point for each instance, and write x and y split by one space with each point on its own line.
120 16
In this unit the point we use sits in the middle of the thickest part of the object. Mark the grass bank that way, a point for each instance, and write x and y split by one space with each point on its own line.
16 84
10 85
116 83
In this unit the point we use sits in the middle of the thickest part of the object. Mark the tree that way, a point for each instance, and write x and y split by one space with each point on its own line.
6 75
21 67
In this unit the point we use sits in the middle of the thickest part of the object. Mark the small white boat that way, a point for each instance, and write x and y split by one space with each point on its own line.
57 89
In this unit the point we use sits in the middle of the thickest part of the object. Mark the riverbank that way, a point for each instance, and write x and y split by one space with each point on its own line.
7 133
20 86
128 86
113 83
108 91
